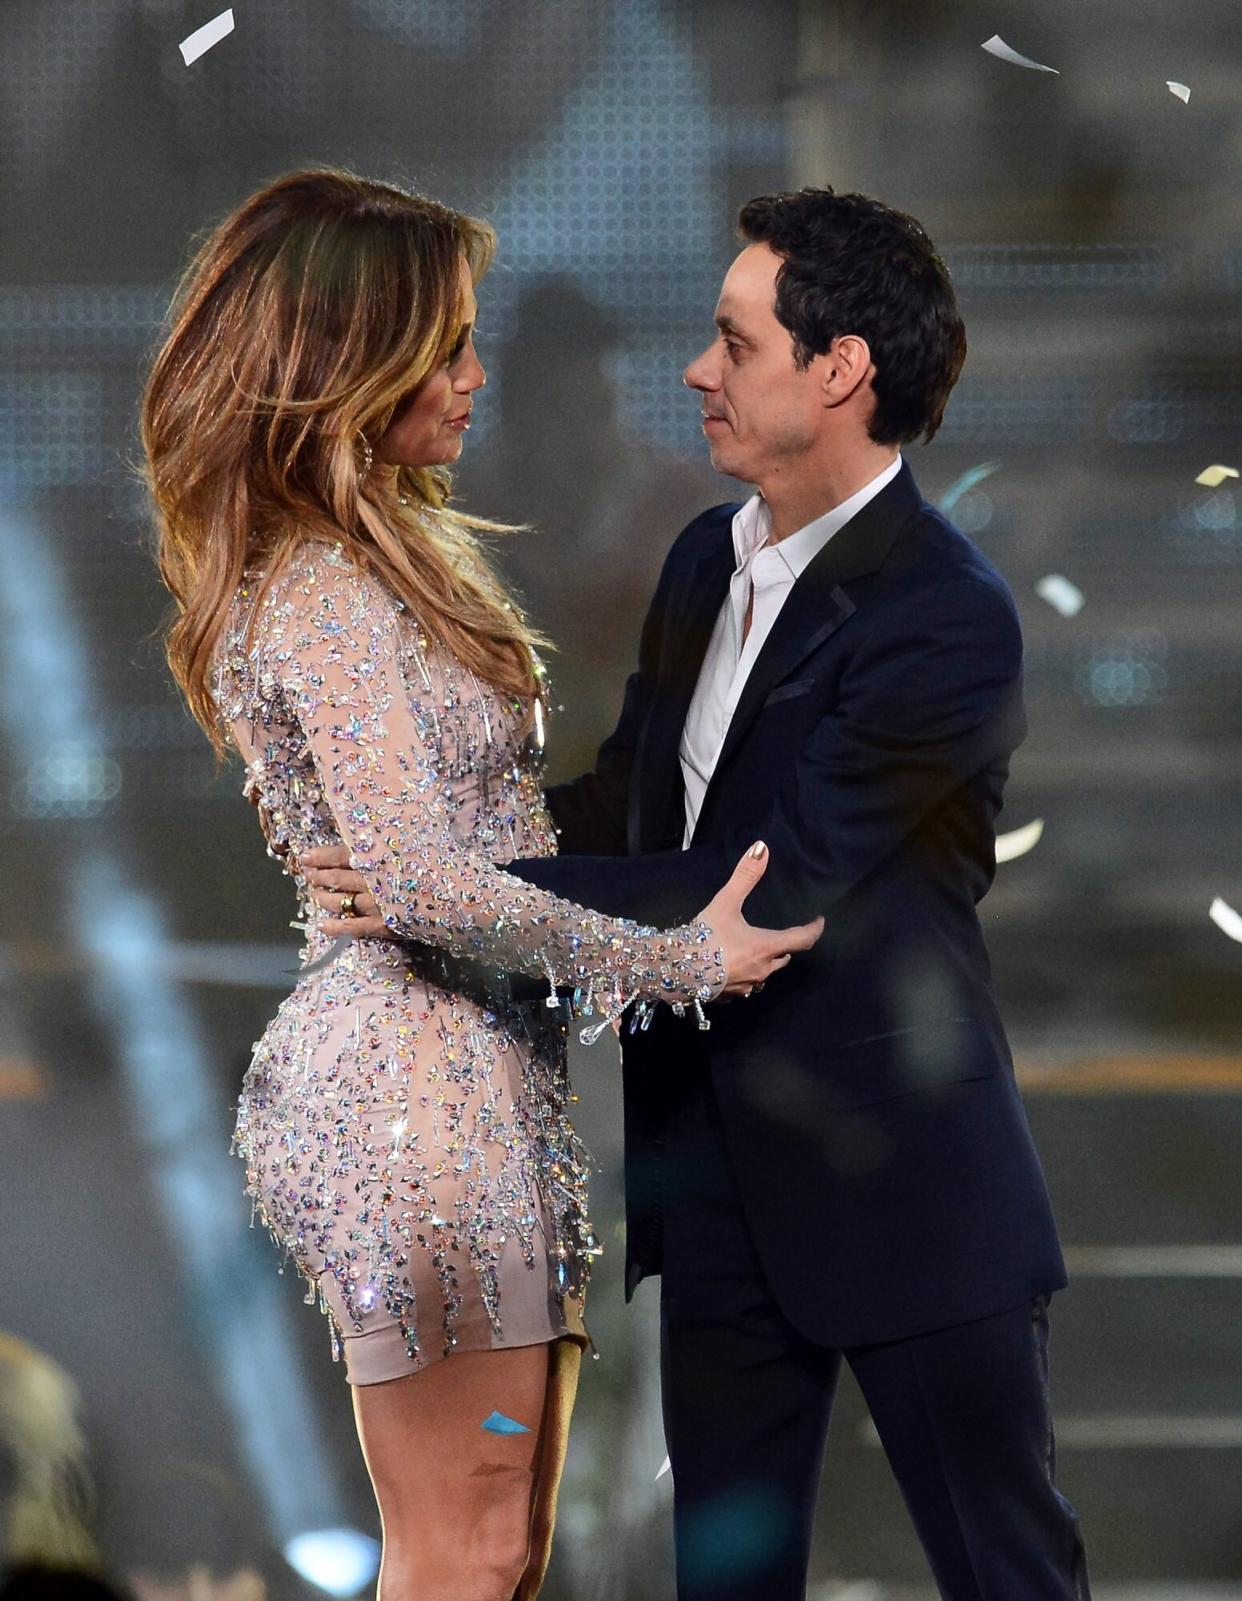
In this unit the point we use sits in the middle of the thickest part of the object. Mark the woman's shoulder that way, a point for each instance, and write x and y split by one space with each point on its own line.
315 563
317 582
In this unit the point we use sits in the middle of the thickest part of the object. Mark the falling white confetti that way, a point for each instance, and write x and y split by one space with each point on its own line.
1181 90
1226 919
202 39
1065 597
968 480
996 46
667 1467
1213 477
1018 842
337 948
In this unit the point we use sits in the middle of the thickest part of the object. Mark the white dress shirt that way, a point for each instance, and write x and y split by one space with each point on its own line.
769 571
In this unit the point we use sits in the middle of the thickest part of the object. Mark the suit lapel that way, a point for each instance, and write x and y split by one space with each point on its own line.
689 632
817 605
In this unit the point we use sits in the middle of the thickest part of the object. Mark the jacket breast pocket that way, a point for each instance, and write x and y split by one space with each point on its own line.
798 686
906 1061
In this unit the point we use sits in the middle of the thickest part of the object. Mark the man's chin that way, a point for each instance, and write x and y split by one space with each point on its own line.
727 461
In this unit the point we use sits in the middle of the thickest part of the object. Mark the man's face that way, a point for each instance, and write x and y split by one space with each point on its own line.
762 416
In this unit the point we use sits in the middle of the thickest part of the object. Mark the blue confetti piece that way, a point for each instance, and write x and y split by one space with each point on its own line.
498 1423
968 480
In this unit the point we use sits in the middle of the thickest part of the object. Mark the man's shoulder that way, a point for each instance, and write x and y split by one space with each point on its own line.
703 531
707 532
947 556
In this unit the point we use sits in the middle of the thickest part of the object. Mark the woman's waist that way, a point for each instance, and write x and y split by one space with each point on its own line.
385 962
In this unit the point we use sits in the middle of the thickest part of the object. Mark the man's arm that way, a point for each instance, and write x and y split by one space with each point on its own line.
590 811
931 698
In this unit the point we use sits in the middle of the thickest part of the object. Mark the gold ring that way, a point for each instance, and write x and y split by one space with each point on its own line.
348 906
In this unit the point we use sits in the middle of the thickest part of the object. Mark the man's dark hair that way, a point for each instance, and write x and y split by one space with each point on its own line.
854 266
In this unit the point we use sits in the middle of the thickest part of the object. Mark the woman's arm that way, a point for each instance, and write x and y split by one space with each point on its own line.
331 640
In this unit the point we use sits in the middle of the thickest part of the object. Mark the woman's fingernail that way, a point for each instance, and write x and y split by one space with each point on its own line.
757 849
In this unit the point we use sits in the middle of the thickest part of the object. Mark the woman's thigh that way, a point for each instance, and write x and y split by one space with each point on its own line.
427 1451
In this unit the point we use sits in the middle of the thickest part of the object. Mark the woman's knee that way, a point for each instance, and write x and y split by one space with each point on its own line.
500 1539
460 1553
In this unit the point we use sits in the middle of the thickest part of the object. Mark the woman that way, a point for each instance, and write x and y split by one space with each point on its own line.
404 1118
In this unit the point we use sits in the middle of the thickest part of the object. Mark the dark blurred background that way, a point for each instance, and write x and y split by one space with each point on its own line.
1093 224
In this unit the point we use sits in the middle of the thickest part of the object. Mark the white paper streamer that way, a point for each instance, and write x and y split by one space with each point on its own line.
1018 842
1063 596
1180 90
1213 477
202 39
996 46
1226 919
667 1467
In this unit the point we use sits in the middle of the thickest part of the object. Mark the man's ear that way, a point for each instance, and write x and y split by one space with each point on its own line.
847 364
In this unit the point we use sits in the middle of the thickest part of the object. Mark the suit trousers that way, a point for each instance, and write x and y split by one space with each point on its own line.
962 1413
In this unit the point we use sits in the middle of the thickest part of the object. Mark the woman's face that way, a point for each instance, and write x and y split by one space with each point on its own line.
427 429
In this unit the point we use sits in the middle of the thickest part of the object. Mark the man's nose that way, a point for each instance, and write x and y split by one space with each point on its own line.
699 374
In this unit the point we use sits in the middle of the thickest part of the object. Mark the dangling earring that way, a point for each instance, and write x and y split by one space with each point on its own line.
368 455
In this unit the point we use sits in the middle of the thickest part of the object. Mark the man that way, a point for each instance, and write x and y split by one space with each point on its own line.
841 1166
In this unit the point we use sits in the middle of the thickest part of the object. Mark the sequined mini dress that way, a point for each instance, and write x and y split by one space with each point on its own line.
405 1119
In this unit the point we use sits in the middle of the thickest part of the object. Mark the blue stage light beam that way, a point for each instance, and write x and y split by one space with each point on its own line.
340 1562
243 1310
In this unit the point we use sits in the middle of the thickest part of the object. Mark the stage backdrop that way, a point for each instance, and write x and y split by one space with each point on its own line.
1092 218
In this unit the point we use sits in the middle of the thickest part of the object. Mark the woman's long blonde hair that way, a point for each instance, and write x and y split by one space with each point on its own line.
304 321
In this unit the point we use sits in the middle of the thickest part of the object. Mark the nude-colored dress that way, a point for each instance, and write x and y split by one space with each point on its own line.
404 1123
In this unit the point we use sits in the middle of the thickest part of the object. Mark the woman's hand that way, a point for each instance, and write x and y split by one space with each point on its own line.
752 955
332 882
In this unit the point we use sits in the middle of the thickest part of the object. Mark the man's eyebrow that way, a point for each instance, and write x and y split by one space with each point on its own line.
728 325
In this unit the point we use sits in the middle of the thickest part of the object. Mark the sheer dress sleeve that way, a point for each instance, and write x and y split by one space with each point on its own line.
331 641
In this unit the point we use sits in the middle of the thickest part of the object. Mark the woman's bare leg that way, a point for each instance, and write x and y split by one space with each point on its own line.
454 1498
564 1366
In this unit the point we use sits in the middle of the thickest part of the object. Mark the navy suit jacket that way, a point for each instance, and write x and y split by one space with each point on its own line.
868 1097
